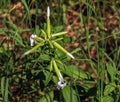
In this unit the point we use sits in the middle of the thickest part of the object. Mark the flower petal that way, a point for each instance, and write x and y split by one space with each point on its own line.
32 41
61 84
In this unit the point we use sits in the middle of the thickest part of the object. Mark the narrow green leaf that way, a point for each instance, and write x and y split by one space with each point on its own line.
39 39
48 27
26 7
56 68
58 34
58 39
2 86
51 45
51 66
58 61
6 90
64 12
45 35
62 49
34 48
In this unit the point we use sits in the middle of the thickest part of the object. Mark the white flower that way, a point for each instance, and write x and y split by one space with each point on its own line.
62 83
32 41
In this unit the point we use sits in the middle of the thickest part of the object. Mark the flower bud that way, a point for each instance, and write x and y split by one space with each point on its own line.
48 11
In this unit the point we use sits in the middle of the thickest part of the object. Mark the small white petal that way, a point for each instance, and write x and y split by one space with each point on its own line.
48 11
71 55
32 41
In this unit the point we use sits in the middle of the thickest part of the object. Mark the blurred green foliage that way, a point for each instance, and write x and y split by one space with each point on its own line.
94 74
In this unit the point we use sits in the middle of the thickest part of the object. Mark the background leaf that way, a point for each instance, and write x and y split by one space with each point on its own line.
69 94
47 98
112 71
109 88
75 72
107 99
